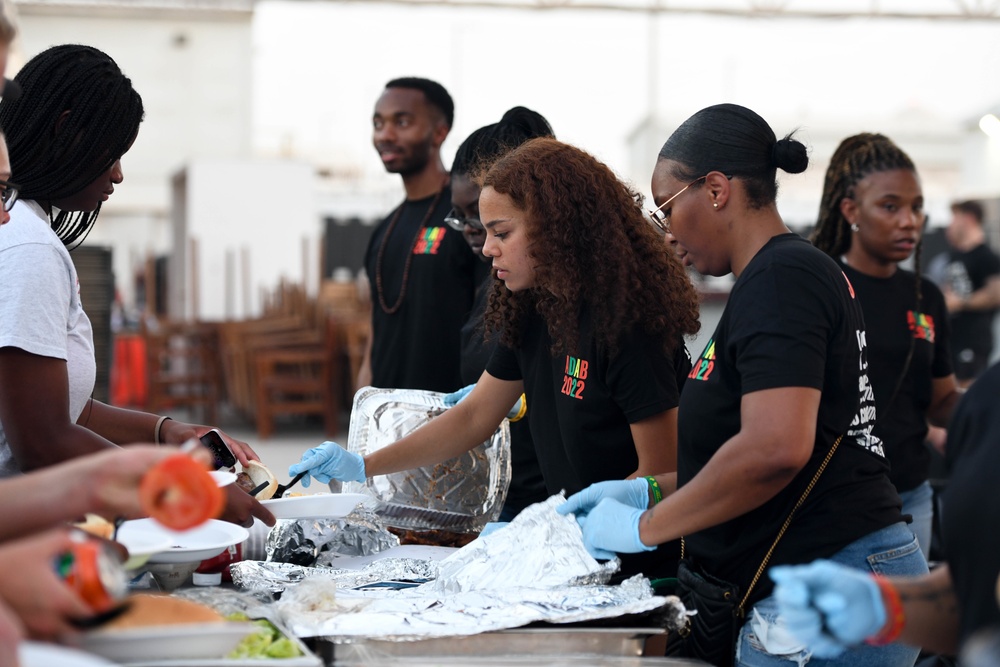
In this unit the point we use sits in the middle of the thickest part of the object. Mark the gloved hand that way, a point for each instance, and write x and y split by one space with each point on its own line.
828 606
611 527
329 461
492 526
631 492
456 397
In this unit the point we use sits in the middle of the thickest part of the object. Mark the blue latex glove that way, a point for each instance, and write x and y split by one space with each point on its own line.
329 461
611 528
456 397
828 606
631 492
492 526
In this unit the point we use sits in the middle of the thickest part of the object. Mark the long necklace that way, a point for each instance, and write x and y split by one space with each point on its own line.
389 310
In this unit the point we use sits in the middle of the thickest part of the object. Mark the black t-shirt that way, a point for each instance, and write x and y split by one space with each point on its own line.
526 483
419 345
791 321
971 503
580 405
893 322
968 272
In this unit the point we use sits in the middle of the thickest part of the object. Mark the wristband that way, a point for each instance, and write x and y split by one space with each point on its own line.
523 409
654 489
893 609
157 429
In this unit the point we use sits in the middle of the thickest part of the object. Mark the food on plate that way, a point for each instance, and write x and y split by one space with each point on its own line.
254 474
180 494
97 526
435 538
151 609
267 642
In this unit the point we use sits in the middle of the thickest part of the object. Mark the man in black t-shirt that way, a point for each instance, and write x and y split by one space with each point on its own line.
971 290
422 274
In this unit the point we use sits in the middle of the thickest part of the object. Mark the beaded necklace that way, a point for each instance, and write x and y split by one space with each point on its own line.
389 310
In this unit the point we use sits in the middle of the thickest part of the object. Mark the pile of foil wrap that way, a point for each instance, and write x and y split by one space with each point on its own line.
534 569
460 495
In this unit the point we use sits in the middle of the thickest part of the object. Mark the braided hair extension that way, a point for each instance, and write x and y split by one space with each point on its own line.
855 158
76 116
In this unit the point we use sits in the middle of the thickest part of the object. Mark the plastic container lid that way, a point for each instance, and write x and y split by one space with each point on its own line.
206 578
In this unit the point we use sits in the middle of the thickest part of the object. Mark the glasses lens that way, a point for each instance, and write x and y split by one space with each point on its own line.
659 221
453 221
8 196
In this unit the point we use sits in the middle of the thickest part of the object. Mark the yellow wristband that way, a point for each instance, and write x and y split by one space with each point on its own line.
521 412
157 429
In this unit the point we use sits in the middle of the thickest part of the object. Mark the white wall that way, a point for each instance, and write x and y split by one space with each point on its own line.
253 219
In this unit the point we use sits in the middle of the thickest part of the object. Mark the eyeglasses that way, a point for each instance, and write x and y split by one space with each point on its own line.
661 219
8 195
458 223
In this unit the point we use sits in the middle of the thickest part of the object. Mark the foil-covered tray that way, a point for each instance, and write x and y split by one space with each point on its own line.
462 494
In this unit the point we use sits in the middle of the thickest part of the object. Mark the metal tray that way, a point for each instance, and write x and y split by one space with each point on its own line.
461 494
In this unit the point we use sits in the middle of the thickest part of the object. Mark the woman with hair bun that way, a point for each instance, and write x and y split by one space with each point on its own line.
775 419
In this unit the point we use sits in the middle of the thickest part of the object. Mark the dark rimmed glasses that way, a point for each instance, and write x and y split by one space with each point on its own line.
8 194
458 223
661 219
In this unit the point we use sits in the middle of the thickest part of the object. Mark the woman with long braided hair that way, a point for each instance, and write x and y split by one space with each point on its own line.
77 115
871 219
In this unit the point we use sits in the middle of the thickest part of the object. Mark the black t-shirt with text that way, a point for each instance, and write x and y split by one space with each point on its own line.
581 404
791 321
894 322
419 345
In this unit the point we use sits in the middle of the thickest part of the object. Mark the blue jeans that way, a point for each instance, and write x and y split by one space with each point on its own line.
919 503
890 551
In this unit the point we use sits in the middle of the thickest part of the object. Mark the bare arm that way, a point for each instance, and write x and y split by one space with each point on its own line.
986 297
747 471
457 431
655 441
945 394
931 610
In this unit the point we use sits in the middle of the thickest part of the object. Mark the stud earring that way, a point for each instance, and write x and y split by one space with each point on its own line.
715 204
854 227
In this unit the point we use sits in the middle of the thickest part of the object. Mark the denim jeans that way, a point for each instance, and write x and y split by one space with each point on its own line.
890 551
919 503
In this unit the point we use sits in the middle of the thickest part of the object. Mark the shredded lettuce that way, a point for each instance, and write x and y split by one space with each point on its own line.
266 642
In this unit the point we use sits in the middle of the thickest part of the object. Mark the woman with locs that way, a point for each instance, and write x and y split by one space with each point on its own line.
590 309
775 419
77 115
871 219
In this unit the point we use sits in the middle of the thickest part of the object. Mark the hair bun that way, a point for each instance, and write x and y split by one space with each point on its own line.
790 155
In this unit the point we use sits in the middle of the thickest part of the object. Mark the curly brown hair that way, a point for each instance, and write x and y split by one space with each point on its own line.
595 251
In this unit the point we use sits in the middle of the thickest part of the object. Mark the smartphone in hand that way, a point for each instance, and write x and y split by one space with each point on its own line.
222 454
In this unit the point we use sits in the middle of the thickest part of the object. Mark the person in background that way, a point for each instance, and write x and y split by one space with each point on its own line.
590 308
971 290
77 115
871 219
483 147
832 610
421 273
779 393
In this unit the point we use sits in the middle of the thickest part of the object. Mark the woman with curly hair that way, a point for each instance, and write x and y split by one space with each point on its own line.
590 308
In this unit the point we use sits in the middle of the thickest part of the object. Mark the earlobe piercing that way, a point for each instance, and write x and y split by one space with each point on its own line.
854 227
715 204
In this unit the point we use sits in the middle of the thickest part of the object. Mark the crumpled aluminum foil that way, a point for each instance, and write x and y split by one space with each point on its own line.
260 577
460 495
302 541
535 569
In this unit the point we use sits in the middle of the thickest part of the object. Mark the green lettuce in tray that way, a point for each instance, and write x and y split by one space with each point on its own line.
267 642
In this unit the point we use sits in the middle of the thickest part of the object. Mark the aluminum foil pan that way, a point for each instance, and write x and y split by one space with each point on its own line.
461 495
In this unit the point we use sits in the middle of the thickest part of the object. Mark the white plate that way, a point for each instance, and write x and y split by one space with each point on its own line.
223 477
141 545
315 506
197 544
168 642
39 654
